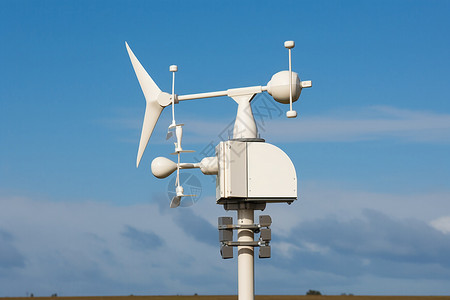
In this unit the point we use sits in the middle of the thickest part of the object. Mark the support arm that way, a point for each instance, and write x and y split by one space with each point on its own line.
230 93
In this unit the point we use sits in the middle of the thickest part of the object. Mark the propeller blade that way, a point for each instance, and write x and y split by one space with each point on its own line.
169 135
175 202
188 200
153 109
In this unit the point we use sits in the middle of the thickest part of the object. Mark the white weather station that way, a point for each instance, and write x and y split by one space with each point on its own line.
249 172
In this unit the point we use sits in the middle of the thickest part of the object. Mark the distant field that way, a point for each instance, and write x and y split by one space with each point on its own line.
235 298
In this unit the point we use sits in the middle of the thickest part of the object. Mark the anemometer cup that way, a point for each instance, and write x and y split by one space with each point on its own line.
278 87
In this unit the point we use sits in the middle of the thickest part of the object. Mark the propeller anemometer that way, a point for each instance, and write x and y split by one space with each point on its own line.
285 87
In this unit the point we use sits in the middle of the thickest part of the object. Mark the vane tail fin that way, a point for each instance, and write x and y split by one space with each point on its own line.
153 109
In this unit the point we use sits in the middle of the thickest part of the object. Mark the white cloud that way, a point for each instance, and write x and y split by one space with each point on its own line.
90 248
442 224
287 249
353 124
319 199
315 248
373 123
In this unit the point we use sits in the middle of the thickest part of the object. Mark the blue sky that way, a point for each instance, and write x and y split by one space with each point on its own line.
370 145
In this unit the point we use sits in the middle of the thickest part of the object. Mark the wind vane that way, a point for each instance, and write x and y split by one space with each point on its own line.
249 172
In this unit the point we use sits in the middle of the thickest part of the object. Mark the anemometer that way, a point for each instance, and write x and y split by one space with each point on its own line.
249 172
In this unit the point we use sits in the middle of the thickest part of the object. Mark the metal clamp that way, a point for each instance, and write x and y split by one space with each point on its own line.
226 227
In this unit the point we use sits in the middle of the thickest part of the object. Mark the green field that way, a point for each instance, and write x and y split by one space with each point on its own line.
234 297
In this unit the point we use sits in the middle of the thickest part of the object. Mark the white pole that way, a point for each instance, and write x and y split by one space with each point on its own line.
246 279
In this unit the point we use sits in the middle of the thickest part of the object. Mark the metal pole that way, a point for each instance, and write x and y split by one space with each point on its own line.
246 277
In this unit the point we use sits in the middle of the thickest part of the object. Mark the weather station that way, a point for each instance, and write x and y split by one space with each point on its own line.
250 173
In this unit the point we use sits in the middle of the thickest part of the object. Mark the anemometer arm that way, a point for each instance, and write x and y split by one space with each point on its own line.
230 93
245 126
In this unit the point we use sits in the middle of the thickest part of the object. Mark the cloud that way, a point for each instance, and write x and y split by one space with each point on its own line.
197 227
353 124
372 123
90 248
345 202
371 244
143 240
442 224
349 125
95 248
10 257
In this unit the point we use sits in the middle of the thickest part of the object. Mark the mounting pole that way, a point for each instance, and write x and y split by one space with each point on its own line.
246 270
245 127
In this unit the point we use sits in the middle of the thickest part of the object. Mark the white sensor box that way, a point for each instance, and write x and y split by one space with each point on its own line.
254 171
